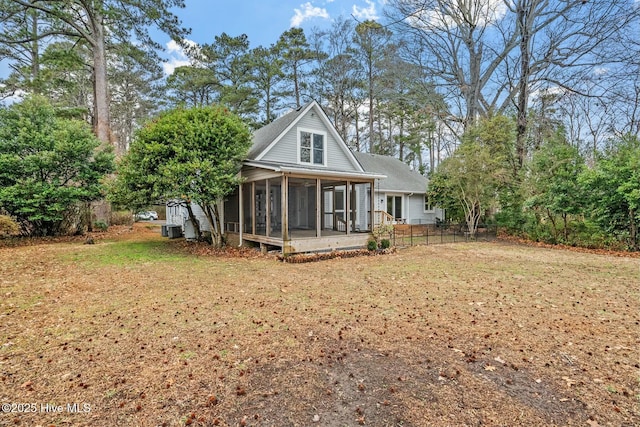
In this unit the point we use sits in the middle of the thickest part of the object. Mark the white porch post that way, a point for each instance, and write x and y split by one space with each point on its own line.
318 207
347 207
253 208
372 202
284 205
267 184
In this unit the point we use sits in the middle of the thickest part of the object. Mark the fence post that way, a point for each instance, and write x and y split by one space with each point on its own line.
427 235
411 233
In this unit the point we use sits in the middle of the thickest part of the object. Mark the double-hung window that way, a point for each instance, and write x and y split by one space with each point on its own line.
312 148
427 204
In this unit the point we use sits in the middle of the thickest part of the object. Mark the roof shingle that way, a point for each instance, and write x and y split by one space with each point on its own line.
399 178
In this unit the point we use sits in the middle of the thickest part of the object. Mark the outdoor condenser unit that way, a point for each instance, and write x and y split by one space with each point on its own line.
174 231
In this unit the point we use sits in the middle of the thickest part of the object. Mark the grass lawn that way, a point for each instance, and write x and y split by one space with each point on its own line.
138 331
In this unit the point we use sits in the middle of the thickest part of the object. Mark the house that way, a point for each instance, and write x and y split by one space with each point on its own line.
401 197
304 190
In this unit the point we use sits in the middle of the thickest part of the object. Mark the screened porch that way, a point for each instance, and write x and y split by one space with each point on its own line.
300 214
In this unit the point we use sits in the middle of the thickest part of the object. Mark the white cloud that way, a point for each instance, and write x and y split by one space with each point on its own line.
308 11
177 56
600 71
484 13
17 96
364 13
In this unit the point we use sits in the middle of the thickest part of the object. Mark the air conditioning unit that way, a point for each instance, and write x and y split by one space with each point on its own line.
174 231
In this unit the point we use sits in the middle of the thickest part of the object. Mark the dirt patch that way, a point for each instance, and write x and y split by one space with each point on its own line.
148 331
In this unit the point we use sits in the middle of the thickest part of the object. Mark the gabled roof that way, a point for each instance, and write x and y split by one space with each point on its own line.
400 178
268 136
263 137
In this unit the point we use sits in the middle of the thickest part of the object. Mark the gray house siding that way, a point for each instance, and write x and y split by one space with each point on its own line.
412 207
178 215
415 209
286 149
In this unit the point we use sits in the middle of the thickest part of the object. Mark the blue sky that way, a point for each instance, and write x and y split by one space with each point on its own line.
262 20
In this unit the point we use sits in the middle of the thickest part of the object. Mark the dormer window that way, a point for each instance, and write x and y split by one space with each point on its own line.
312 147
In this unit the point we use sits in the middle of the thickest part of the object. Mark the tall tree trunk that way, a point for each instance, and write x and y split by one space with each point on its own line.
35 51
370 82
102 120
525 71
401 139
213 215
633 235
296 84
357 128
553 223
432 151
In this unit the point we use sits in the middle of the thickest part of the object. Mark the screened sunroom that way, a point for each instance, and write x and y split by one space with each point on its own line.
300 212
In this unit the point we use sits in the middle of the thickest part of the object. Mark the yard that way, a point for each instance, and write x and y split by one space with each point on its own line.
138 331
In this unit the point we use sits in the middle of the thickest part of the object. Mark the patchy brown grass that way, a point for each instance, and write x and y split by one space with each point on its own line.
147 334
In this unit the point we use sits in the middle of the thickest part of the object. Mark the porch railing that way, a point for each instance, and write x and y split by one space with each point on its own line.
232 227
384 218
341 224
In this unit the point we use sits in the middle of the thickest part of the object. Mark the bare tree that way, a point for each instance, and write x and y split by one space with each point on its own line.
338 81
494 54
372 42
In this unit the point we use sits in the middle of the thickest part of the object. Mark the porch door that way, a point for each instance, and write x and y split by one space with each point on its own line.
338 207
394 206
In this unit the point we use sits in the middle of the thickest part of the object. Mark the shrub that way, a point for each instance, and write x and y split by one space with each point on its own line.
385 243
121 218
49 165
101 225
8 227
383 230
372 245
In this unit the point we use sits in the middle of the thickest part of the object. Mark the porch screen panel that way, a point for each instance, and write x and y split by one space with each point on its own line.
334 215
362 208
275 207
231 213
247 216
302 208
261 208
327 208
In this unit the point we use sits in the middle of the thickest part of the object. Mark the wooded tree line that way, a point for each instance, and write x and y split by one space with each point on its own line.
555 197
415 85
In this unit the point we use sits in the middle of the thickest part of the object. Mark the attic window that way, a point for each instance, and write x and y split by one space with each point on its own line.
312 148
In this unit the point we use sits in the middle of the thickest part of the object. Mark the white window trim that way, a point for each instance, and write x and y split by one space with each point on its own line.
403 202
324 148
